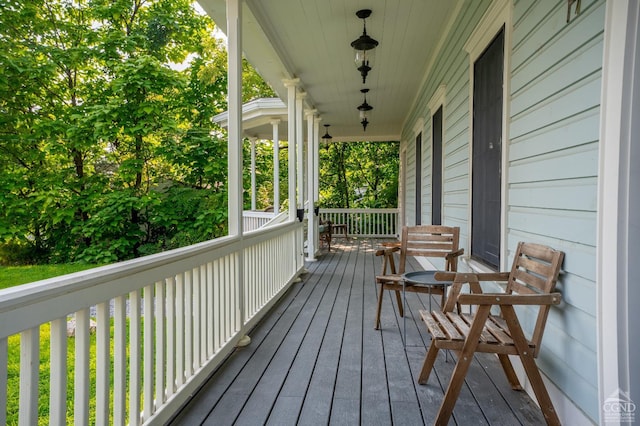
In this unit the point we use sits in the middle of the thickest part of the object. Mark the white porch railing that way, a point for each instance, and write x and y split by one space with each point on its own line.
253 220
163 323
378 223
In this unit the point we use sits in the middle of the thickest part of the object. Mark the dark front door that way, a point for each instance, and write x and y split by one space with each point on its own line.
419 179
487 153
436 173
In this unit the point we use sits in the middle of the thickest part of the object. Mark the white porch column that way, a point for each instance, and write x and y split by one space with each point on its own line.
291 124
234 74
316 167
312 230
253 173
618 244
234 40
300 148
276 165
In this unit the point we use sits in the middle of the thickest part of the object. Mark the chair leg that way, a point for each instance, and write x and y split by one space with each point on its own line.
529 364
427 365
462 366
380 296
400 304
540 390
454 388
512 377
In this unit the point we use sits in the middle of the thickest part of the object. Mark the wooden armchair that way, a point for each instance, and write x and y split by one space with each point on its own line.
325 232
531 282
426 240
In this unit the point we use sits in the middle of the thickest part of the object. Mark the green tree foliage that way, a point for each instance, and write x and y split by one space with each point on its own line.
359 175
107 150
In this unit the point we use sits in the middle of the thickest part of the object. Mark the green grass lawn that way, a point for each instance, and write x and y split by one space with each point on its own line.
15 275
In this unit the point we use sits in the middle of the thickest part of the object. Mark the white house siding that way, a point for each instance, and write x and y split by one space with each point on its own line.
410 180
427 152
552 163
450 68
552 173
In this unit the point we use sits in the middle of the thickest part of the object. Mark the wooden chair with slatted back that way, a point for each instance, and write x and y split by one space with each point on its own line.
433 241
531 282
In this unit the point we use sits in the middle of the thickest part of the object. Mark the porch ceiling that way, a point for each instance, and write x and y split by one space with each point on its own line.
310 39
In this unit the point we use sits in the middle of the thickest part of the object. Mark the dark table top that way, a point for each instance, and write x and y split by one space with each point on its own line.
423 278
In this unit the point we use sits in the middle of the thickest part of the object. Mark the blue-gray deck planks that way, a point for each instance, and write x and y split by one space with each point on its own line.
317 359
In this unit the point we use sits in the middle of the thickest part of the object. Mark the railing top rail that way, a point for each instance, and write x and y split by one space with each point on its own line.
252 213
341 210
103 283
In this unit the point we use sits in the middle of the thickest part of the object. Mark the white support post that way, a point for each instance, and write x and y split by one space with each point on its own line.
234 76
618 213
312 228
234 49
300 147
291 123
316 168
276 165
253 173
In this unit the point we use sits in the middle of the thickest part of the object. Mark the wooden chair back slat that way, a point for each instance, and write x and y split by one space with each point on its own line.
535 270
427 253
521 278
429 241
432 238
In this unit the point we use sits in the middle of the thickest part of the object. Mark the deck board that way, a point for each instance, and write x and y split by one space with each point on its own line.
317 359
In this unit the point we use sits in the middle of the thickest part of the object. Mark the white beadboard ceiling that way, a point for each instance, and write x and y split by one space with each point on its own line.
310 40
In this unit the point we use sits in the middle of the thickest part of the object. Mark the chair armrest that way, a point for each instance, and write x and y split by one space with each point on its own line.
387 251
454 254
510 299
461 278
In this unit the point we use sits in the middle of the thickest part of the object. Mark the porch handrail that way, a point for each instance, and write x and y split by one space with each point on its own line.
253 220
281 217
376 223
184 311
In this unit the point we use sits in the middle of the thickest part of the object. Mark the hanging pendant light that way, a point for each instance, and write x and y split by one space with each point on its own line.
364 47
364 109
327 137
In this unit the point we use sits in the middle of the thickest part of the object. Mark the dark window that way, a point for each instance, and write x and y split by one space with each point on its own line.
436 173
419 179
487 153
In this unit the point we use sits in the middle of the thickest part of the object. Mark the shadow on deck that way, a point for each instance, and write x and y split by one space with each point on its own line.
317 359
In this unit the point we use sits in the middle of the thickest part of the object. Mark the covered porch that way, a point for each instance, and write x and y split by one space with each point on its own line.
166 322
317 359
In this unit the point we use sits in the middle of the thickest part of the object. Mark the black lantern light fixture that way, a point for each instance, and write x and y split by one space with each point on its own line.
364 109
327 137
364 46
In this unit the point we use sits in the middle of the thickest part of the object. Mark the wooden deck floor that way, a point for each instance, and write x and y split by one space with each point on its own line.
317 359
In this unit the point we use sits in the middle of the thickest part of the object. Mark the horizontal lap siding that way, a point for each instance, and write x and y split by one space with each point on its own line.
552 174
451 68
427 208
552 162
410 190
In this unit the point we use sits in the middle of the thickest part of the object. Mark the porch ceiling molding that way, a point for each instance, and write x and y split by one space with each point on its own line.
310 40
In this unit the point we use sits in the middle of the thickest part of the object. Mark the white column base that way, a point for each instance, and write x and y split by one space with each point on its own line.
244 341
